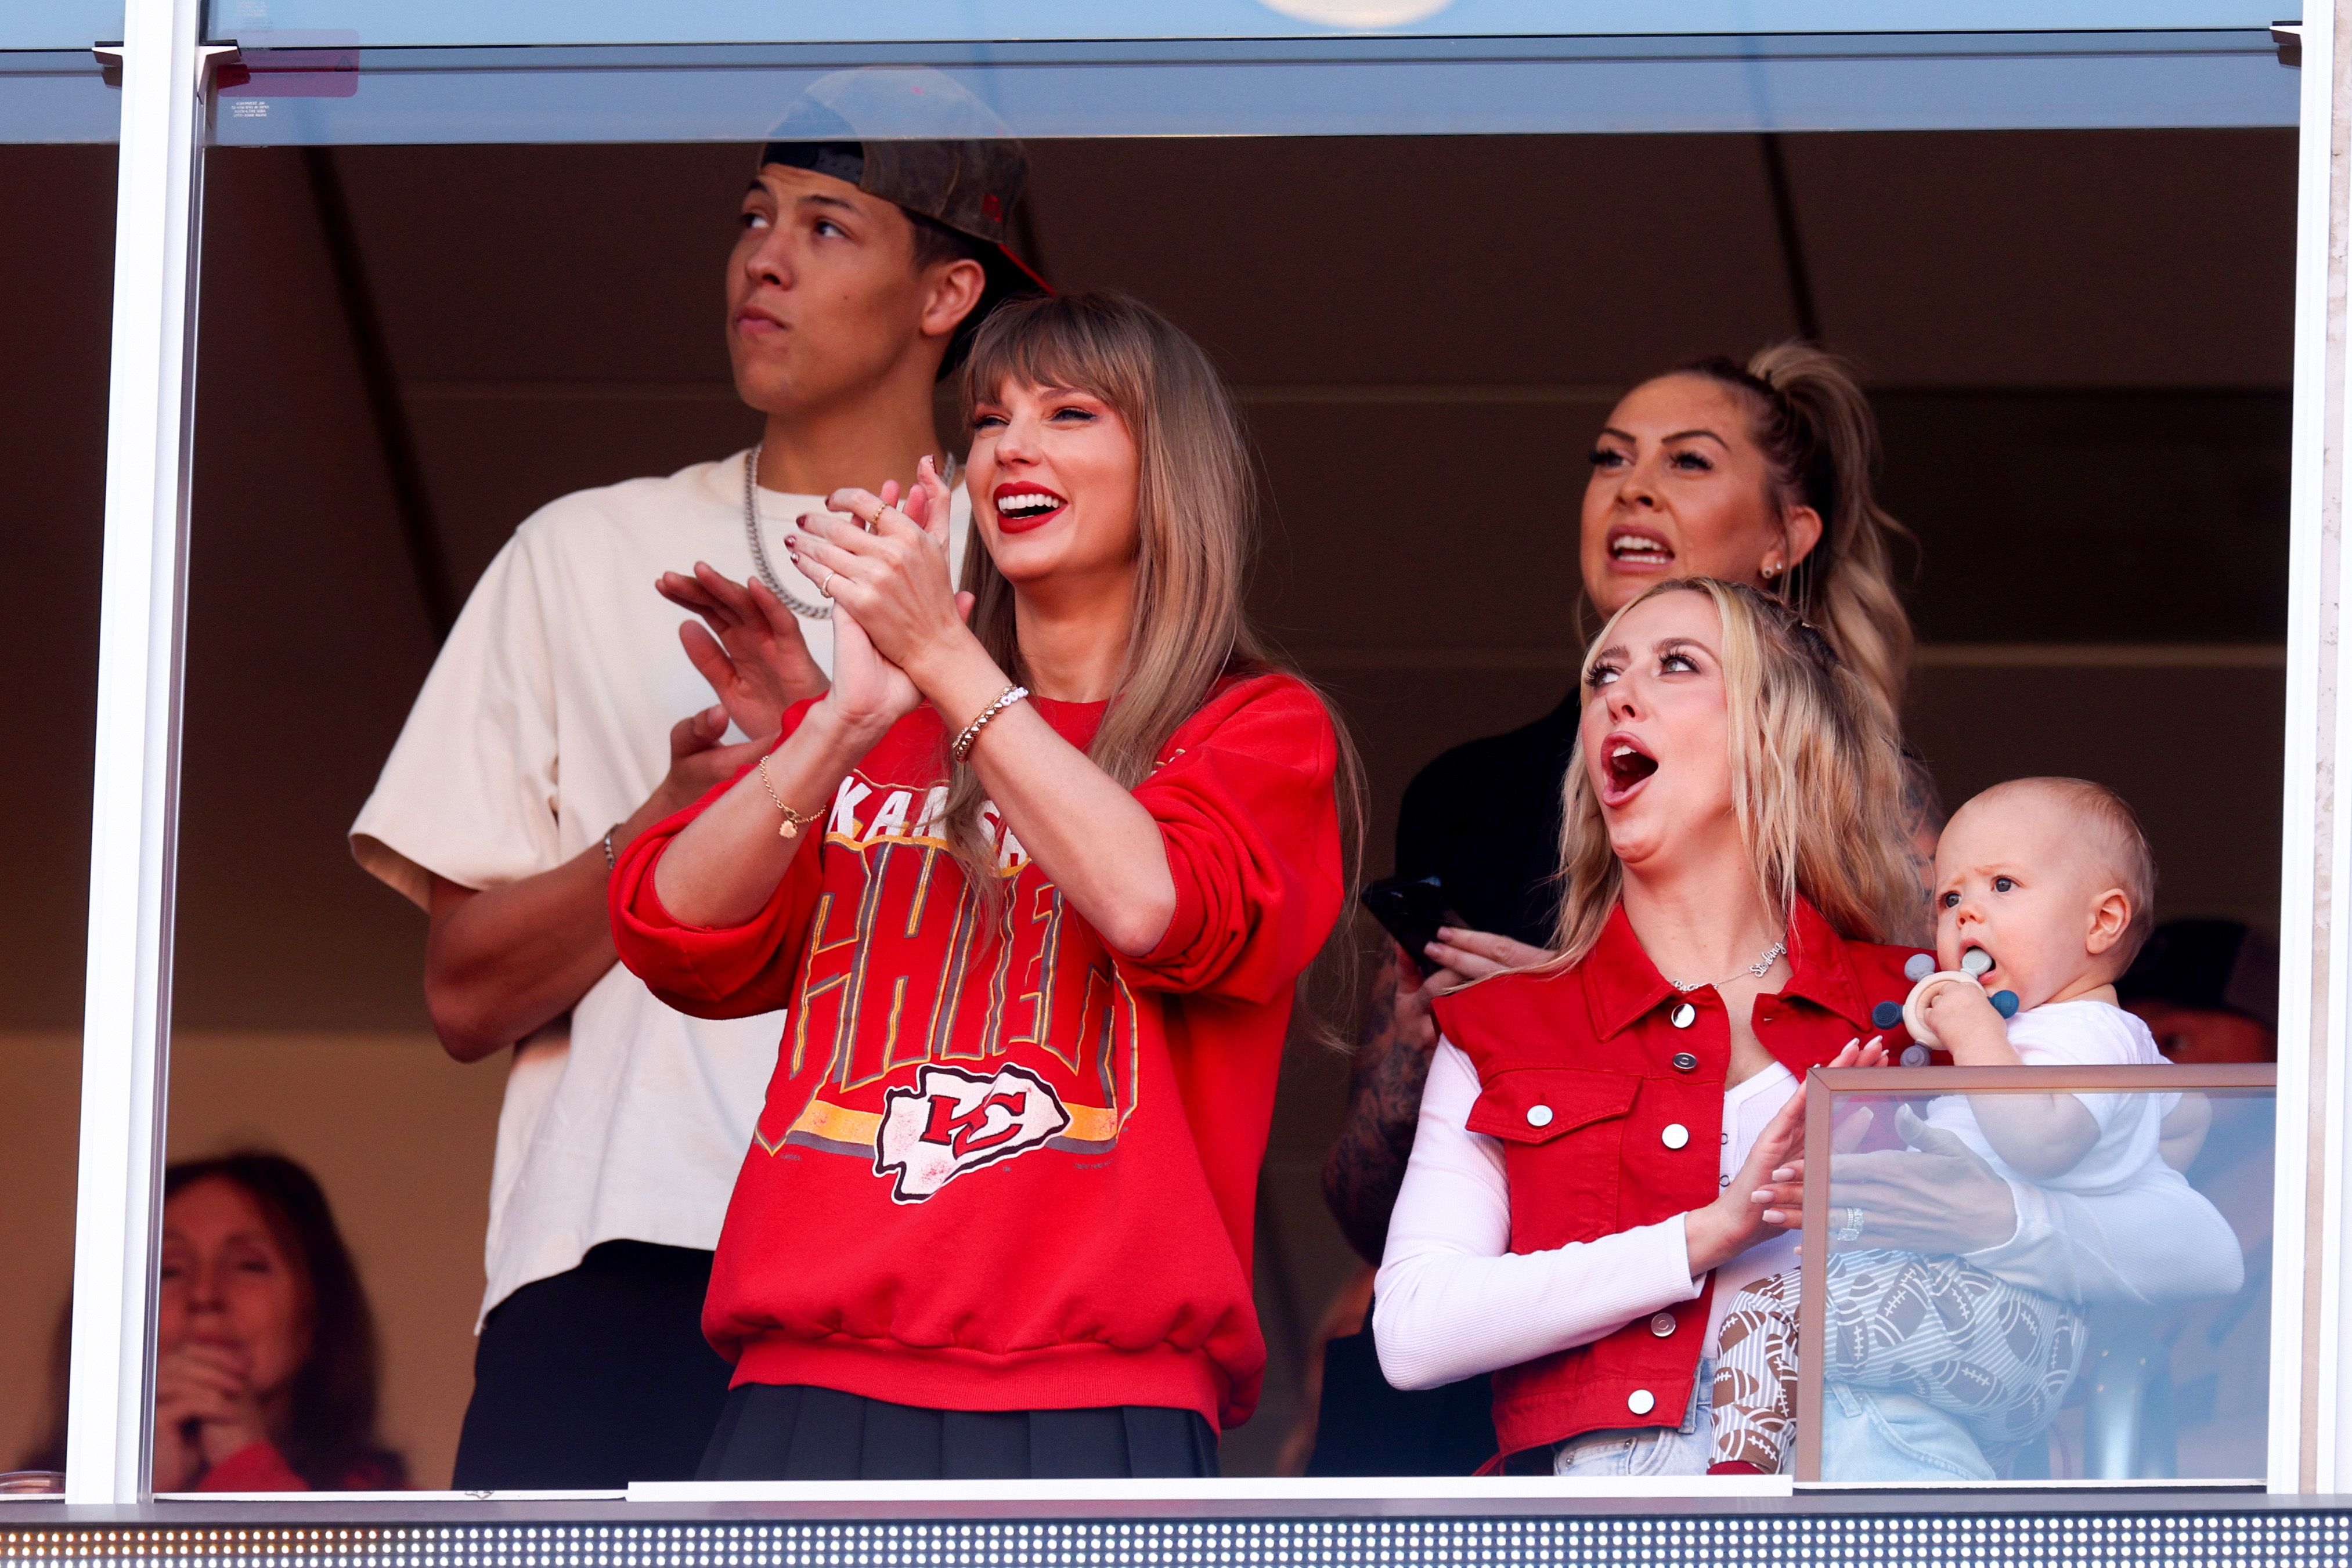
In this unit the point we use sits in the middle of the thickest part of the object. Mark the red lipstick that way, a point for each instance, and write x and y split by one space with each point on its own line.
1021 506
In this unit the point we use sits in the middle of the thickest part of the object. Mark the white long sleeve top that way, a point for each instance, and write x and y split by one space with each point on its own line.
1453 1300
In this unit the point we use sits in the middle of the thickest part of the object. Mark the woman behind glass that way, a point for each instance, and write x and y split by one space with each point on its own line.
266 1358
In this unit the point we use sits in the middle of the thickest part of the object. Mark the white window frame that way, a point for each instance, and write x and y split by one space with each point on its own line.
134 805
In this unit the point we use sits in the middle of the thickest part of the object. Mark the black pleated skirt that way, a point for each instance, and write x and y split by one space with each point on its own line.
772 1432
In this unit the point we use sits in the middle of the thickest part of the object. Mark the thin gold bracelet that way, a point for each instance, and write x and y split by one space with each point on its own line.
793 820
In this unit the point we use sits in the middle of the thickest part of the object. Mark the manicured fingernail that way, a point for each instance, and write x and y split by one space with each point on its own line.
1774 1217
1786 1172
1443 931
1761 1194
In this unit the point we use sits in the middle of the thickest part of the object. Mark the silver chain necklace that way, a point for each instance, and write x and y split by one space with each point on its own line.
793 602
1759 969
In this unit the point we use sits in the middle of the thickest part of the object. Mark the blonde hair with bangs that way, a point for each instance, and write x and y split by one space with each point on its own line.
1816 783
1195 512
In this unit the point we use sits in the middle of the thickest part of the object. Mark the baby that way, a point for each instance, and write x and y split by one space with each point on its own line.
2051 879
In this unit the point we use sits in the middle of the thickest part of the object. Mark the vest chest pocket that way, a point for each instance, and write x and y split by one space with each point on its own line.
1563 1132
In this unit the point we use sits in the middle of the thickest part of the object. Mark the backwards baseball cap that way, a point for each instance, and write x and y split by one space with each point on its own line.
916 138
2223 965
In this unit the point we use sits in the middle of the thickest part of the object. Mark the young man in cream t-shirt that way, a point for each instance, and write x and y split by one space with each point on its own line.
561 719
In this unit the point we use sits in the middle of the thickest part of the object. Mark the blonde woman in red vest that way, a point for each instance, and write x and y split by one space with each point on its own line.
1595 1133
1607 1148
1037 892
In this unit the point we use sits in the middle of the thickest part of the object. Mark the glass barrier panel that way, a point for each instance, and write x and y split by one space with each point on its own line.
325 86
61 24
541 22
61 197
2020 1275
446 287
55 95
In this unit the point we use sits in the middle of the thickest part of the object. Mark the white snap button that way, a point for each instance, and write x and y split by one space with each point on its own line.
1723 1181
1641 1402
1663 1325
1684 1015
1538 1116
1676 1136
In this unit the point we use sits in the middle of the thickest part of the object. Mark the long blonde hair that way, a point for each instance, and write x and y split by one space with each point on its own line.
1816 783
1196 519
1811 418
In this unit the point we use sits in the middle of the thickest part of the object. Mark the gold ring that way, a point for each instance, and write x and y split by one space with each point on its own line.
826 588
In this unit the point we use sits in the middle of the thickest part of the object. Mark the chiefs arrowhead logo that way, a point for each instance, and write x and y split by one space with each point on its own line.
953 1122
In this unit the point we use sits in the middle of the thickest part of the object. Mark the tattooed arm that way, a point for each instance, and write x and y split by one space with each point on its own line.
1366 1165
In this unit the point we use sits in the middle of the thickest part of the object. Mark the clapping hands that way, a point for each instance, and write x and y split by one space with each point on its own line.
748 646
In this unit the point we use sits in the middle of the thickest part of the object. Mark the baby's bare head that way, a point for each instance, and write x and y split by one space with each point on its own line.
2025 870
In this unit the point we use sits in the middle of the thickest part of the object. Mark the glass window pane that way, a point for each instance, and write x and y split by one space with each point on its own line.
57 95
2128 1340
446 286
443 22
53 447
320 88
61 24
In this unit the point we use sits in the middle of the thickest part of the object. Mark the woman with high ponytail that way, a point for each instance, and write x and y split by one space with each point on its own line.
1810 422
1762 474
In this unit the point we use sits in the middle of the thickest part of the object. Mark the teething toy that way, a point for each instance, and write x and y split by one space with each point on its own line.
1973 964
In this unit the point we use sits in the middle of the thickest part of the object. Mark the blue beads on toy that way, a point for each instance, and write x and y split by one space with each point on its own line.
1886 1015
2005 1003
1917 968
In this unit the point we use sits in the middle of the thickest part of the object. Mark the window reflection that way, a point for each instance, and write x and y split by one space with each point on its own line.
53 447
2081 375
2149 1363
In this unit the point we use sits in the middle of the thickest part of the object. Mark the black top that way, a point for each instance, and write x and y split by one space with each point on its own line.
1485 818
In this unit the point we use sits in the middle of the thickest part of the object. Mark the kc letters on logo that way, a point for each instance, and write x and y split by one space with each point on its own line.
951 1122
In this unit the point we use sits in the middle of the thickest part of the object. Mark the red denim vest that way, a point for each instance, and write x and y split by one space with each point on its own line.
1611 1116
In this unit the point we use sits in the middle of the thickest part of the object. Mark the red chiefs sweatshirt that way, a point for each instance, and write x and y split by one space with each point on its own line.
1002 1167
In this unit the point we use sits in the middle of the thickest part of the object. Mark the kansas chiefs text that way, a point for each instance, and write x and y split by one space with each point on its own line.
1025 1000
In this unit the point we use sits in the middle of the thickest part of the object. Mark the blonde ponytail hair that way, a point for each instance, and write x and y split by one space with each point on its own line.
1813 422
1816 783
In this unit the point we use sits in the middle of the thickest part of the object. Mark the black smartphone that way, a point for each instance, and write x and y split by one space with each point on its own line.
1410 909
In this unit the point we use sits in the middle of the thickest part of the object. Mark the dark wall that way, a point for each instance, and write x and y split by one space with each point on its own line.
53 362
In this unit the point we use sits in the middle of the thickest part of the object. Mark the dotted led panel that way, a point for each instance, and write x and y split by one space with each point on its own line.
2082 1540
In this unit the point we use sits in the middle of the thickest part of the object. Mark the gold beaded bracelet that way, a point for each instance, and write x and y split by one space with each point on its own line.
963 743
